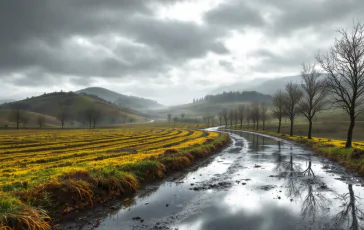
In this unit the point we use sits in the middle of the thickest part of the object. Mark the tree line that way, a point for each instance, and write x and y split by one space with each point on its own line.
335 81
90 117
234 96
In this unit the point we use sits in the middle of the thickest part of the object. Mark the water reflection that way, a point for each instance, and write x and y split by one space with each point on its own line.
313 202
226 193
351 216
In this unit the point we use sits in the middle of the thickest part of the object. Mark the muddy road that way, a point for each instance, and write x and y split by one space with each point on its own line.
258 183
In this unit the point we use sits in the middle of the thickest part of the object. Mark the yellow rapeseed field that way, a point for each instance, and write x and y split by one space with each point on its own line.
36 166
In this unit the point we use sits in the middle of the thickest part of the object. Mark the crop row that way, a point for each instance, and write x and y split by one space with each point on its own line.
48 158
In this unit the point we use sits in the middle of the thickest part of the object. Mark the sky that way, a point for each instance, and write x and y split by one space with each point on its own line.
167 50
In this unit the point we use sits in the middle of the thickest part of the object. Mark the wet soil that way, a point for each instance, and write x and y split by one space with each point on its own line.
258 182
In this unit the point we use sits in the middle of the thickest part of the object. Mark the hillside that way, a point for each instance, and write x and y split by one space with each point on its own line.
75 105
262 86
31 120
124 101
213 104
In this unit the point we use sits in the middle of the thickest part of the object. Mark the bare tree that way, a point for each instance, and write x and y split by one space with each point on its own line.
63 115
41 120
255 113
212 118
291 101
314 94
169 116
221 117
241 115
182 116
248 116
231 116
16 116
97 115
236 116
263 113
225 115
344 65
277 108
175 119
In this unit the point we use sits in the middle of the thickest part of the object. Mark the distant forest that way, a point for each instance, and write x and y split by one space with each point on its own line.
235 96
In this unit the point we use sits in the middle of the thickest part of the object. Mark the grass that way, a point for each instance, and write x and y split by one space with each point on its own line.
62 171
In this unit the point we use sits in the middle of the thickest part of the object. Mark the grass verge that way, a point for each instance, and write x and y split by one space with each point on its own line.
350 158
32 208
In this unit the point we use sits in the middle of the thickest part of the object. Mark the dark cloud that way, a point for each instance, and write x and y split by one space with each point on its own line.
233 13
276 62
318 15
41 34
77 42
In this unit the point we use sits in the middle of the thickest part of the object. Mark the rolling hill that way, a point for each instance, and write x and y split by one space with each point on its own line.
121 100
76 106
31 120
262 86
213 104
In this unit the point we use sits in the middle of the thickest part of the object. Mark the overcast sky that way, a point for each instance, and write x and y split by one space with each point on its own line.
167 50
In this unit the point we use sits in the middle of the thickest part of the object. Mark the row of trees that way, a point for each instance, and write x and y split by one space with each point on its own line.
175 119
252 114
341 86
90 117
19 117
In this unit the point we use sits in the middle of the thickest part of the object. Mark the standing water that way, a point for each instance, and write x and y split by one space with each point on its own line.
258 183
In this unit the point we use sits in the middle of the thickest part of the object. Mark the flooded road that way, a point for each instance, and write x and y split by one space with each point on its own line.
258 183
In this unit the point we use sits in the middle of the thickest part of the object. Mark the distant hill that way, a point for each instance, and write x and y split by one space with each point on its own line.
236 96
212 104
262 86
132 102
75 104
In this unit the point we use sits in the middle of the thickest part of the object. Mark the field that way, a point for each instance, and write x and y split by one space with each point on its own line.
64 170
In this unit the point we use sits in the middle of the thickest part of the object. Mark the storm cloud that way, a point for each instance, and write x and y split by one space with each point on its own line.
54 45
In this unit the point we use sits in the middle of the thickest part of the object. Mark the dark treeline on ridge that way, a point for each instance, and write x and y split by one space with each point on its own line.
235 96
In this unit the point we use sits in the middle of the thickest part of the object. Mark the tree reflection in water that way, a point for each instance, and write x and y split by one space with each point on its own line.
291 175
351 216
314 202
300 183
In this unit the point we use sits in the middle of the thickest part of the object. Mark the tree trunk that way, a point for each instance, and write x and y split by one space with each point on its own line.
263 125
349 138
17 125
309 136
279 125
291 130
257 125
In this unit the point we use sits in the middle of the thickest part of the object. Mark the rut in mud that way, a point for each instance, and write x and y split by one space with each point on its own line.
258 182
